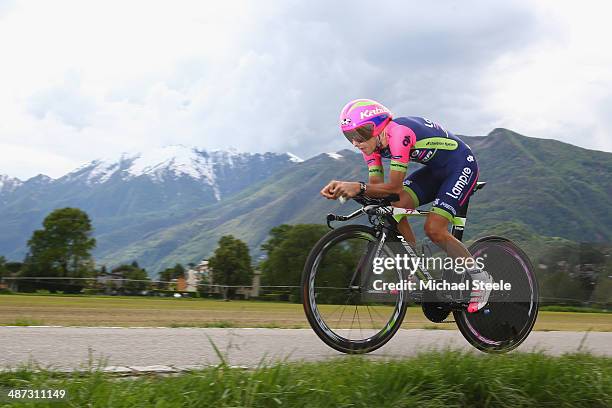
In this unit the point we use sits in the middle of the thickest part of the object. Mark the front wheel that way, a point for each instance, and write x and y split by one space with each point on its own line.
506 321
344 297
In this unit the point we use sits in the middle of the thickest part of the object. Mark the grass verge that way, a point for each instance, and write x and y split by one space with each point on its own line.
573 309
437 379
26 322
169 312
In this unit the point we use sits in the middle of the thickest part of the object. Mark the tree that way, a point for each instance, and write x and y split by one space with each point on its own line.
13 267
573 272
3 270
136 278
168 274
603 292
231 264
277 235
287 248
62 248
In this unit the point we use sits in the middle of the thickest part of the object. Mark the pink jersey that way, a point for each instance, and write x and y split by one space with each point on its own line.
401 139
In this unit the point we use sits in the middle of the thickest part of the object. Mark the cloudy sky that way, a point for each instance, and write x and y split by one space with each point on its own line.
80 80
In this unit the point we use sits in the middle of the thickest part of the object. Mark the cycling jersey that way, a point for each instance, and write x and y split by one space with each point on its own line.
450 169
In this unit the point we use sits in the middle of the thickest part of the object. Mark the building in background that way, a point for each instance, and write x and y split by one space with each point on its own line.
200 277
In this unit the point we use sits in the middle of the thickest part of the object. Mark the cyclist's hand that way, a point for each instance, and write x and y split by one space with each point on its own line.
329 189
335 189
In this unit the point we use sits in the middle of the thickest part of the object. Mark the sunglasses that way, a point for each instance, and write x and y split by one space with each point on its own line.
360 134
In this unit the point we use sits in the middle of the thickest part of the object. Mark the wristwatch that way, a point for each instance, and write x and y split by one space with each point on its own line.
362 188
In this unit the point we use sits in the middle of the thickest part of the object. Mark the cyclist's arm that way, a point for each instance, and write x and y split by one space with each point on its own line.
381 189
401 139
376 180
376 174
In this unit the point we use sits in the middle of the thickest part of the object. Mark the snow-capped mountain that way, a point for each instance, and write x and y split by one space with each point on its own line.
136 187
334 155
171 163
9 184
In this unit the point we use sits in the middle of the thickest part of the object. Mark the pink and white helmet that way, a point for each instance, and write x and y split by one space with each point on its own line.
363 118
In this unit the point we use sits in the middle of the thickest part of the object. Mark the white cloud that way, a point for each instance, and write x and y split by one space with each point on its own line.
23 159
560 88
82 80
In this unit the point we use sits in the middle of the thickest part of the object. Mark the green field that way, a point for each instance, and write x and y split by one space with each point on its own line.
442 379
28 310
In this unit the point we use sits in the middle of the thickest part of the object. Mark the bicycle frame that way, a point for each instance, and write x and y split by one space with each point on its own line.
391 216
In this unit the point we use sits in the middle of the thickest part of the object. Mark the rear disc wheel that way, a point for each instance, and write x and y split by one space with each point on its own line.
508 318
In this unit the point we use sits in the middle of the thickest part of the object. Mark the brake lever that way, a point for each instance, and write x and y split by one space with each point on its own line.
330 218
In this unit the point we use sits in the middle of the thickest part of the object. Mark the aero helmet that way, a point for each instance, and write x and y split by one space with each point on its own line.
363 118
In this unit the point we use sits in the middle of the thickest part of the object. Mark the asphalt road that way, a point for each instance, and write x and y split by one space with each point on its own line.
163 349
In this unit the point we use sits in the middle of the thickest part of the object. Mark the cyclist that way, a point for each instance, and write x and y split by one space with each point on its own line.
447 178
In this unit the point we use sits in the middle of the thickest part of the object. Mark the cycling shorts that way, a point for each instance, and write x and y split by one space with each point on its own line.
448 186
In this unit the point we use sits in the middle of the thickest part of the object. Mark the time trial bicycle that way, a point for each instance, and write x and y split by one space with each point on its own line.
355 308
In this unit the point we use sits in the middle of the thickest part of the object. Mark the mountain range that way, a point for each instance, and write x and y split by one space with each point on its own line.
172 204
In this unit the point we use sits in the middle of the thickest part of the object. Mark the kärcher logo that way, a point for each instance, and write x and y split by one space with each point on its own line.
372 112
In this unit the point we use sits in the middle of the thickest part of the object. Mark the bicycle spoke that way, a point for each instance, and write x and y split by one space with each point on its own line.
370 313
358 321
332 313
341 314
379 315
353 321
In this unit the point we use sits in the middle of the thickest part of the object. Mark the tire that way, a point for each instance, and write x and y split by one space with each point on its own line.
332 338
504 324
